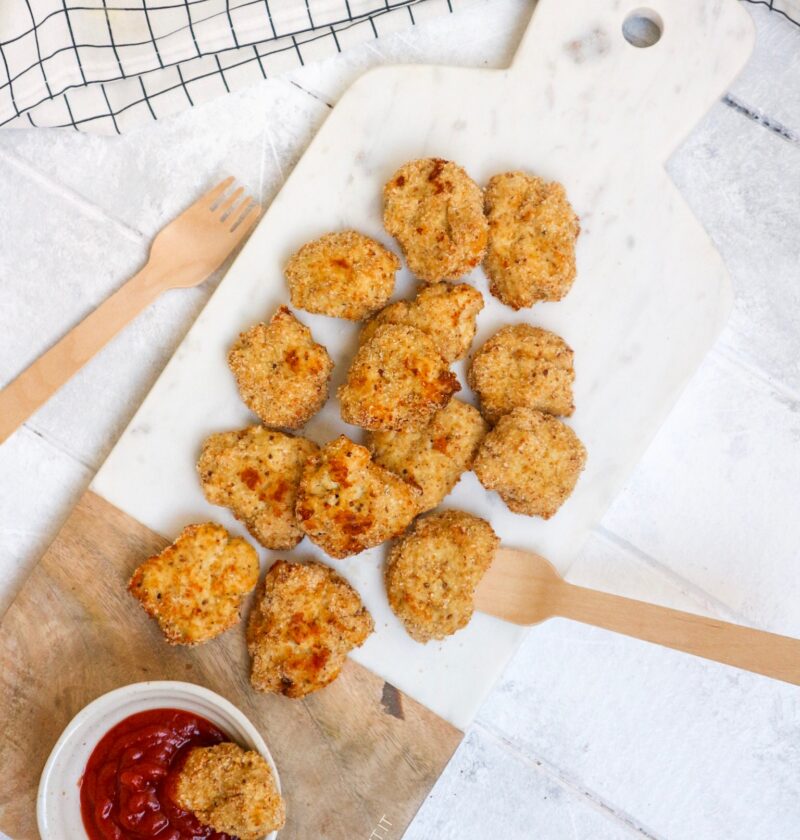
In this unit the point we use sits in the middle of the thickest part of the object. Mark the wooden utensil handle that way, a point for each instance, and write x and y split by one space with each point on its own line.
37 383
743 647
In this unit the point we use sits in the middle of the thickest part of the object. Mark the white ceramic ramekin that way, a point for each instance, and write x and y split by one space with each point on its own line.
58 806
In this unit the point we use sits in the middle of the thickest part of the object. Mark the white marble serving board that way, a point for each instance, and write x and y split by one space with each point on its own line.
579 105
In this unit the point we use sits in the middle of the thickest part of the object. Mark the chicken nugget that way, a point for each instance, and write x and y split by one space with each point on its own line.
305 621
397 381
346 503
532 460
434 456
433 571
230 790
194 589
255 472
344 275
523 366
532 233
435 211
445 312
282 373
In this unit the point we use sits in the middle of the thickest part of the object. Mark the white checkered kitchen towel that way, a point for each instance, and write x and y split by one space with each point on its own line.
107 66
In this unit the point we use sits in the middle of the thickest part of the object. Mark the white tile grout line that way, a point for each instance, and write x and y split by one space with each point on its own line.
700 596
89 209
56 445
736 358
578 791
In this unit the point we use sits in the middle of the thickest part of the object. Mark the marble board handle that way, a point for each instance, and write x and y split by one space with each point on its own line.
661 91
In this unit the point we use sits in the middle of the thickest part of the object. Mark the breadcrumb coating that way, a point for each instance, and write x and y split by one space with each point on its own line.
532 234
433 572
523 366
532 460
344 275
435 211
396 381
231 790
445 312
194 588
436 455
255 472
346 503
282 373
305 621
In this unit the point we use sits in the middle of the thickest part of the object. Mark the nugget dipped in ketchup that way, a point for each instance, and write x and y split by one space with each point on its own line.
173 775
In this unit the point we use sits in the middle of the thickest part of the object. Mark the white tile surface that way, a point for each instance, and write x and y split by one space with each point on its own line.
631 740
743 182
146 177
684 748
715 499
492 791
40 485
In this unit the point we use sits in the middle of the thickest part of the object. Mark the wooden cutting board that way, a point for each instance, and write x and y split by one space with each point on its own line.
580 105
353 757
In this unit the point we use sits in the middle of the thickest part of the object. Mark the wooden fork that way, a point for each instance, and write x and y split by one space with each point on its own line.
183 254
524 588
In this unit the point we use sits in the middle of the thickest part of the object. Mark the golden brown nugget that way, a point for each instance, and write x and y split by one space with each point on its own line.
305 621
532 460
346 503
532 233
344 275
433 572
435 211
444 311
435 456
195 587
397 381
231 790
523 366
255 472
282 373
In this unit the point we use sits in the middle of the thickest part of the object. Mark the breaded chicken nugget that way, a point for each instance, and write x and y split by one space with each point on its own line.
282 373
435 211
532 233
433 571
346 503
345 275
523 366
445 312
305 621
434 456
397 381
231 790
255 473
532 460
195 587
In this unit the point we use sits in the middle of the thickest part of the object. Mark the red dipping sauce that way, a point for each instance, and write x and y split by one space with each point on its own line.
125 789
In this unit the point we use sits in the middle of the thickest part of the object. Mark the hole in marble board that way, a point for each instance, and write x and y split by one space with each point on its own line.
642 28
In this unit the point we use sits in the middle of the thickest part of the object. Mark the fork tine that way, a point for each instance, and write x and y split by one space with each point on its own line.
246 220
229 202
209 198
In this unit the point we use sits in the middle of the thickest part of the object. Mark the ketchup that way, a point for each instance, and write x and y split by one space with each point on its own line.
125 789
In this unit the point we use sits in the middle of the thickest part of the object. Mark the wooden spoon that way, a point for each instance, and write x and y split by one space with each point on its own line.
524 588
187 251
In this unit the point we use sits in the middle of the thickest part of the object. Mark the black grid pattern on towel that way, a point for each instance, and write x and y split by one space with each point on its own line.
67 65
